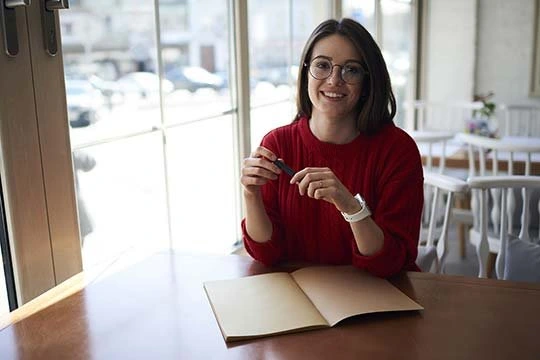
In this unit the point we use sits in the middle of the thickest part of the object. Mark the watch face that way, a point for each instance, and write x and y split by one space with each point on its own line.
360 199
360 215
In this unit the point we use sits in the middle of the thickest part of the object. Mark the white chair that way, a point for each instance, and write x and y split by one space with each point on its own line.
519 120
495 157
443 116
506 151
433 246
503 156
433 146
494 237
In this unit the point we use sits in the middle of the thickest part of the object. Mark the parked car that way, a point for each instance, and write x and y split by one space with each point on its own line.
193 78
142 85
110 90
282 75
84 102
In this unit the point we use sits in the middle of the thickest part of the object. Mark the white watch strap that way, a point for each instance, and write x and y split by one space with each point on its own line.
360 215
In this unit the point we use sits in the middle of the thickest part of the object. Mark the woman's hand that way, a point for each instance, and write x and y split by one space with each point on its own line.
322 184
258 169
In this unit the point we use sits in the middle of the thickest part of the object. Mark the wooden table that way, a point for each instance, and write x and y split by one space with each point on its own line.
157 309
458 158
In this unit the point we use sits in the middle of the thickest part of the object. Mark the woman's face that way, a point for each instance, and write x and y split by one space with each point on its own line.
332 97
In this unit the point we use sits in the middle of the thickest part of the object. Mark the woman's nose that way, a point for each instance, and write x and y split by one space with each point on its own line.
335 75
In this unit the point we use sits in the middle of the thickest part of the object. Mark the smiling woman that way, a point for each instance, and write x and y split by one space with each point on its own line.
352 165
159 150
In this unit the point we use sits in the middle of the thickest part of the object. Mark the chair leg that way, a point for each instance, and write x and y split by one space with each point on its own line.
463 202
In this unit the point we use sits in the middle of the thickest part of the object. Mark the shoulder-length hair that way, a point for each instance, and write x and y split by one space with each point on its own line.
377 104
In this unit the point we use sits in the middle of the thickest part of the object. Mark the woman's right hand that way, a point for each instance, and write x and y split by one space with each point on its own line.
258 169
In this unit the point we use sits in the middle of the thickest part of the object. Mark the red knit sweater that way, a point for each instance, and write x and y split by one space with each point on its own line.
384 168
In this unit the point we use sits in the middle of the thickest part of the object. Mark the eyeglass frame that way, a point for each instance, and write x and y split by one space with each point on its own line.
308 66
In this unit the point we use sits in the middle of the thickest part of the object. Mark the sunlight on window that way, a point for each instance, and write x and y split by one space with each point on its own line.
157 117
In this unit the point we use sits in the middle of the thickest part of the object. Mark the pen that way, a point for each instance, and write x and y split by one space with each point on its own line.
284 167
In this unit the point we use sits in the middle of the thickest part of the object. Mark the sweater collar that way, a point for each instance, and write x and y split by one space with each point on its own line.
324 147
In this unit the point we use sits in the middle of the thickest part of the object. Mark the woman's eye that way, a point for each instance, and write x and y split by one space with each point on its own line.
352 69
322 64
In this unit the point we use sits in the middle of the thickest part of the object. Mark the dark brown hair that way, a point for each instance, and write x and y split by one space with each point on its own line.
377 104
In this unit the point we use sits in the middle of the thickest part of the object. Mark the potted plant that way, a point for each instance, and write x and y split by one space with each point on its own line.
482 122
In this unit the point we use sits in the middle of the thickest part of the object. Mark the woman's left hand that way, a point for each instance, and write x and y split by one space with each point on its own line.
323 184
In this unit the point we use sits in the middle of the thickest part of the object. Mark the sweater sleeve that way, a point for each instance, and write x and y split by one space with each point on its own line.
271 251
397 212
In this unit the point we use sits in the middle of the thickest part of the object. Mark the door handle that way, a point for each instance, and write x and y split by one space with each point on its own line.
56 4
48 18
9 24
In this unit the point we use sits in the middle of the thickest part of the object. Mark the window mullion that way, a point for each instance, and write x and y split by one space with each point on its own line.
240 88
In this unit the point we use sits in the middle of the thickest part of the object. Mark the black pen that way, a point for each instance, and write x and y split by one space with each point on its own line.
280 164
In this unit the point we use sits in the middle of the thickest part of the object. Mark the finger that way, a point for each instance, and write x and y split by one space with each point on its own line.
311 177
300 175
314 187
261 162
252 181
297 178
261 151
256 171
304 181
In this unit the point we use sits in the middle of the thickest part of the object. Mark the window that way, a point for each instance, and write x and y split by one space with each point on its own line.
152 111
390 22
278 31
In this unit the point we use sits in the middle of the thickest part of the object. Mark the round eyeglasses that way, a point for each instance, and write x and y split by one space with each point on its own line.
352 72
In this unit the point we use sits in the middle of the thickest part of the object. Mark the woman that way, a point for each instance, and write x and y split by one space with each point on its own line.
357 196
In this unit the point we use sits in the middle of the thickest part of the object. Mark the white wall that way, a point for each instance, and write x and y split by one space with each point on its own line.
505 50
468 54
450 50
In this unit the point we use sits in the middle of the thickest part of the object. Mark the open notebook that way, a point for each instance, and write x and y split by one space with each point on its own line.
309 298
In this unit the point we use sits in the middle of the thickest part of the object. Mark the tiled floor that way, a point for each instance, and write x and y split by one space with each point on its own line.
455 265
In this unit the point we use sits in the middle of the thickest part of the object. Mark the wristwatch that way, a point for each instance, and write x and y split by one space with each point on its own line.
360 215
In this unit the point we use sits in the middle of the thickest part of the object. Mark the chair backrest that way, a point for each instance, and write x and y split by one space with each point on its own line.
501 154
445 116
433 147
503 184
436 218
519 120
498 157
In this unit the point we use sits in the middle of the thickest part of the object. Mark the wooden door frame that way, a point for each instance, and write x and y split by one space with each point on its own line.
36 169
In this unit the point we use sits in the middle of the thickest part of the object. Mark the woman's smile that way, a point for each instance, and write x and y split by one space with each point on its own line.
333 95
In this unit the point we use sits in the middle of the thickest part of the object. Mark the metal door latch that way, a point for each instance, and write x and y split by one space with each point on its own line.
48 18
9 24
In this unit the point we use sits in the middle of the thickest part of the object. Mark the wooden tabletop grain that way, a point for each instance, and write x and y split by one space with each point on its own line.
157 309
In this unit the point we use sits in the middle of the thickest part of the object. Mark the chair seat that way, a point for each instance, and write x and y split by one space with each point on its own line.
433 242
490 233
493 240
522 260
426 257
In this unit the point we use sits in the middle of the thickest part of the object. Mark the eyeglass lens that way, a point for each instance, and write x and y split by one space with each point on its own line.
351 72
